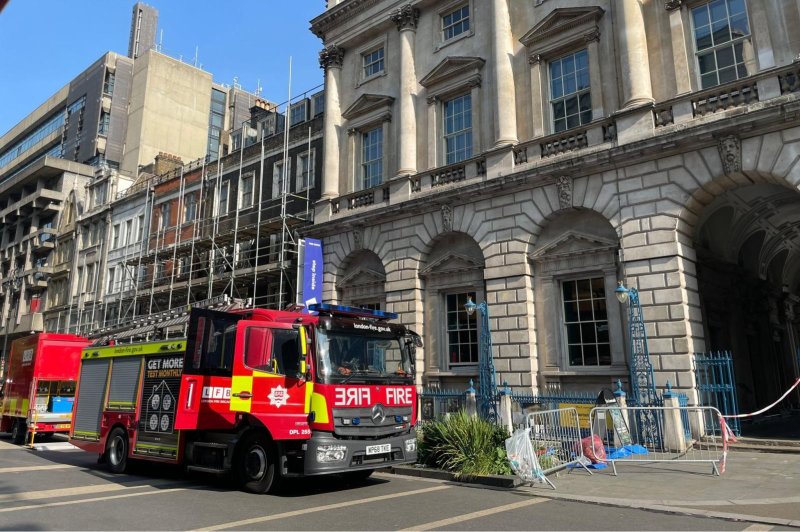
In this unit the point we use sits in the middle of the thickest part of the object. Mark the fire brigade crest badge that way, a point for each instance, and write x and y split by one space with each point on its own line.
278 396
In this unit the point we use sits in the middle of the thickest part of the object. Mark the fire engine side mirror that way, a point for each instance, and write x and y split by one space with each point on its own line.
304 352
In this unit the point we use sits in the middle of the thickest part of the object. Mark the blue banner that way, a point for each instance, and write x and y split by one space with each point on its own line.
312 272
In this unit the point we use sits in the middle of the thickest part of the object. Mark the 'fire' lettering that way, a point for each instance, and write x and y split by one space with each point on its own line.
398 396
352 397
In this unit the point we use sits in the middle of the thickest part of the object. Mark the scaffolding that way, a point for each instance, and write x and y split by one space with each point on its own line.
208 251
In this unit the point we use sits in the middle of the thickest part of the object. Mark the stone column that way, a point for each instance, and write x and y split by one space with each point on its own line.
537 98
434 141
505 99
592 40
330 59
636 86
406 18
680 56
761 36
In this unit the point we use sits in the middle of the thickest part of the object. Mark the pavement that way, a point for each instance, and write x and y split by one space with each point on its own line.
758 487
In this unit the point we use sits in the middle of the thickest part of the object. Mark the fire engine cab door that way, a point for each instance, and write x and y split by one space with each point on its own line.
267 378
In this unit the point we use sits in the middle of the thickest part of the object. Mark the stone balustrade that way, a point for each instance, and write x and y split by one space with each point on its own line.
759 87
362 198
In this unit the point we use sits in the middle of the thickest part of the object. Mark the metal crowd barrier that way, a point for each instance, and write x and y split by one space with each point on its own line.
648 434
556 439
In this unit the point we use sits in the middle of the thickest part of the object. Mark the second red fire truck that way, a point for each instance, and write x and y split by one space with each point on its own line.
262 394
39 385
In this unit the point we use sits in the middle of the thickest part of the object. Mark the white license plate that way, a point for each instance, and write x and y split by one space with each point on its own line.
379 449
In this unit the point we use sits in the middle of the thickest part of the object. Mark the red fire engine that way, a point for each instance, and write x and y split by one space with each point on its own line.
40 385
262 394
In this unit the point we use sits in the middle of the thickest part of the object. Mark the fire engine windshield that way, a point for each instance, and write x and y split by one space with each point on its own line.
349 357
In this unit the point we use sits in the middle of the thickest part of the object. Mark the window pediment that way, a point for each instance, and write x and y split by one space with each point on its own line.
459 69
450 263
362 277
571 243
367 103
562 27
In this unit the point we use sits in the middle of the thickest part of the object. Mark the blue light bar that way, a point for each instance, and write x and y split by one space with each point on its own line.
356 312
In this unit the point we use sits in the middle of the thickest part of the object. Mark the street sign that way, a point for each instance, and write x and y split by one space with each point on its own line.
607 398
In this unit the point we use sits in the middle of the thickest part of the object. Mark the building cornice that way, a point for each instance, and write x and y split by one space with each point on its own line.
347 9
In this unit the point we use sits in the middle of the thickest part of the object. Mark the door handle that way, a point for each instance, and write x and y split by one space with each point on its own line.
243 395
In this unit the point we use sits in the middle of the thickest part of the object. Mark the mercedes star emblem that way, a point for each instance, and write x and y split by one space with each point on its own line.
378 415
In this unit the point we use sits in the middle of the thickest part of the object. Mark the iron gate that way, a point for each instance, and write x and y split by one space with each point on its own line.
716 387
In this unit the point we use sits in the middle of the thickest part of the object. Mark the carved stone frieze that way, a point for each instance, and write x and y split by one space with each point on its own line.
447 218
669 5
730 151
591 36
564 185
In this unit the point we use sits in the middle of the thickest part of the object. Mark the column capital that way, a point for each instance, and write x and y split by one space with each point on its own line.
331 56
405 17
671 5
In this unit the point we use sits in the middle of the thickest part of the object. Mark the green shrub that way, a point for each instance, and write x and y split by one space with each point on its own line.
466 446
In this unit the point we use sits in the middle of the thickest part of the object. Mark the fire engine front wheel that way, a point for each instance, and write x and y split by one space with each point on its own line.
18 432
117 451
256 464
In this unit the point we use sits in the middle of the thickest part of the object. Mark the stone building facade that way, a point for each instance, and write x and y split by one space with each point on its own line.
77 286
533 154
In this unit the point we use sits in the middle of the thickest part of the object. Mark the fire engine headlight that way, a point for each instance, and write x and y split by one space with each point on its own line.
331 453
411 445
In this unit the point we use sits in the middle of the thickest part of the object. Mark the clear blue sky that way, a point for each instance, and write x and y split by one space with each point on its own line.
46 43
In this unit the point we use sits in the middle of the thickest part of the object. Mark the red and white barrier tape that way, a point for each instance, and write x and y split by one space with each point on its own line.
782 397
727 437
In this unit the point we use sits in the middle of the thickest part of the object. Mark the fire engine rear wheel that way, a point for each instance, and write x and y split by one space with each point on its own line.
117 451
256 464
19 432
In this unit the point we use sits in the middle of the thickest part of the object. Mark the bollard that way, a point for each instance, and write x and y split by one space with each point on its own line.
674 437
472 403
505 409
697 425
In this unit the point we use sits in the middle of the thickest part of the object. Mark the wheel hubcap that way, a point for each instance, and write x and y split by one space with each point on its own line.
255 464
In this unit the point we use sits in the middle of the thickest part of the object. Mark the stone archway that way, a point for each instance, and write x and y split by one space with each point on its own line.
361 281
451 270
579 327
747 241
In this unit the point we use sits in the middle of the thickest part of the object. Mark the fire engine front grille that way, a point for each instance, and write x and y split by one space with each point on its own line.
366 426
